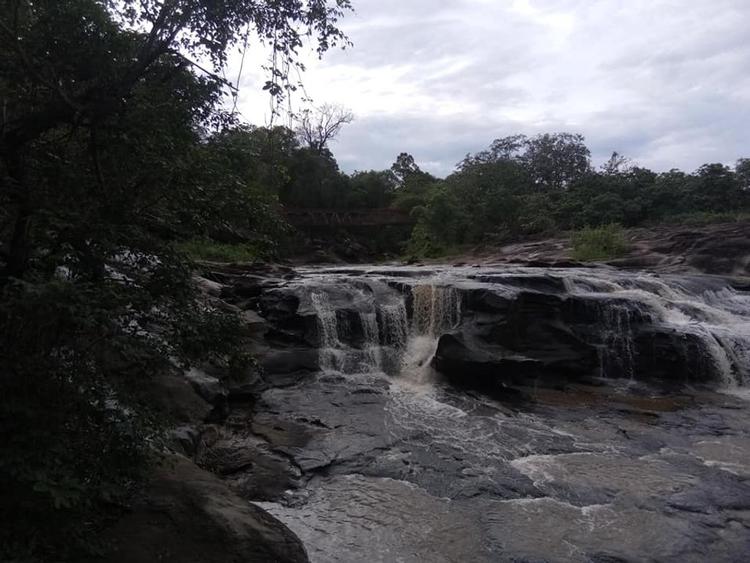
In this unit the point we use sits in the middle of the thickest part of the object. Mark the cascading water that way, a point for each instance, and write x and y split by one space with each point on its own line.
436 309
331 358
414 468
700 309
394 324
372 336
390 341
616 352
718 318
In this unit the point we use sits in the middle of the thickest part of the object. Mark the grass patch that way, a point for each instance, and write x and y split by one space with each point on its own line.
206 249
599 243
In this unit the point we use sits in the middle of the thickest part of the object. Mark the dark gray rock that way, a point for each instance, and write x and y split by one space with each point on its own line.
511 339
184 440
670 356
187 515
210 388
175 398
244 287
287 366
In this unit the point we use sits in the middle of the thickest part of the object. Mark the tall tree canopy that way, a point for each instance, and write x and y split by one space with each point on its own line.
114 145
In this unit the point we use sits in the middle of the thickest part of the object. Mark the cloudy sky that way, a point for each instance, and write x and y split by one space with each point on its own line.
665 82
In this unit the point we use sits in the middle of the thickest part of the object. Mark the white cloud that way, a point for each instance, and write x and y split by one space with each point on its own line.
666 82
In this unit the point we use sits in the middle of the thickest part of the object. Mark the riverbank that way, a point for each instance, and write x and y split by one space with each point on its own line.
715 249
421 412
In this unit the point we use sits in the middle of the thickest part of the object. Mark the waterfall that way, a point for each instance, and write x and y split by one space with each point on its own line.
718 318
330 347
381 338
373 360
617 349
371 337
375 322
394 324
436 309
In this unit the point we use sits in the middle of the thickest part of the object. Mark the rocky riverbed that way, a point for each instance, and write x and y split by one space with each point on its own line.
506 413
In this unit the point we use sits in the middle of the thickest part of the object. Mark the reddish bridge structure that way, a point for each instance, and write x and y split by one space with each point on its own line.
320 217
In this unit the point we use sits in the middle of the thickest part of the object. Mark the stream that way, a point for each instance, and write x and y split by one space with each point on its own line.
509 414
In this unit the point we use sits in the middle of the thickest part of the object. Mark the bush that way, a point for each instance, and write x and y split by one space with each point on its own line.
600 243
206 249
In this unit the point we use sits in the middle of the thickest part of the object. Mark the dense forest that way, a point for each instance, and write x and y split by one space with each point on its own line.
118 152
520 186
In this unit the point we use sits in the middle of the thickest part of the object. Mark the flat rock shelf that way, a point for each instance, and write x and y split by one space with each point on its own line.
497 414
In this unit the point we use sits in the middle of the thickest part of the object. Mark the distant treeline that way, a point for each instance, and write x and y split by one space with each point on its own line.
519 186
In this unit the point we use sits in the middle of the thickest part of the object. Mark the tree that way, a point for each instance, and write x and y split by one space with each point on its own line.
59 73
617 164
107 157
405 167
742 169
317 127
716 188
556 160
507 148
372 189
553 160
413 185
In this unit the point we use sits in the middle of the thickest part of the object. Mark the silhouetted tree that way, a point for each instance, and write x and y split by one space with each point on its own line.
319 126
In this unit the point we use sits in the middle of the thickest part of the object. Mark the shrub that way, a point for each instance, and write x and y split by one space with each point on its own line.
600 243
206 249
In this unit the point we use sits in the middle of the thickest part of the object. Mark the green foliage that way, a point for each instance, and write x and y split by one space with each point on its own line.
539 186
371 189
207 249
699 218
423 244
599 243
113 149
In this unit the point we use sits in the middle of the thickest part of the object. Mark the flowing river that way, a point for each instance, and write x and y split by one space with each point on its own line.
512 414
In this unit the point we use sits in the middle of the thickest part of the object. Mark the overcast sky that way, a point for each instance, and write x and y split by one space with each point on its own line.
664 82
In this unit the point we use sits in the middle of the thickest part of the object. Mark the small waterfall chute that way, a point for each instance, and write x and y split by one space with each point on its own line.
436 309
359 330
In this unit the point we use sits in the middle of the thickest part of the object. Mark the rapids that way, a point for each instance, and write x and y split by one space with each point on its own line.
398 462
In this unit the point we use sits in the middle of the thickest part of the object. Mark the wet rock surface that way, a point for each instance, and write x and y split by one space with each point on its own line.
187 515
719 249
420 472
579 419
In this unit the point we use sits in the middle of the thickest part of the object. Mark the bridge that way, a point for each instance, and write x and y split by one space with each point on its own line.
320 217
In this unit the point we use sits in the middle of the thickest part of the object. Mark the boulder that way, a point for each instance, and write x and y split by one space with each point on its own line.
176 398
250 467
184 440
245 287
288 366
553 337
288 325
209 287
187 515
208 387
247 387
479 366
672 357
